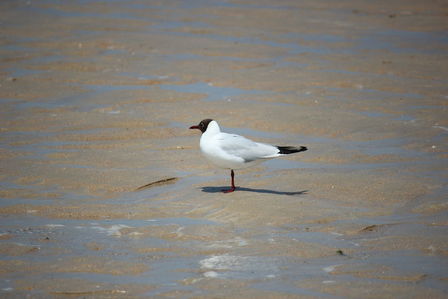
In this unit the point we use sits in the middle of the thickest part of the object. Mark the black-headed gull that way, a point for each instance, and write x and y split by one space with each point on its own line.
233 151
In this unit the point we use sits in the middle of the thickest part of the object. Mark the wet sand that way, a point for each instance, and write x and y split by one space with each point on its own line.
96 100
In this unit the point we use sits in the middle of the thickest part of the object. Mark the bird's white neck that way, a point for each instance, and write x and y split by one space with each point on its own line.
212 129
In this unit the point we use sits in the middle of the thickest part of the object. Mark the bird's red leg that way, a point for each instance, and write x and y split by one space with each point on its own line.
232 174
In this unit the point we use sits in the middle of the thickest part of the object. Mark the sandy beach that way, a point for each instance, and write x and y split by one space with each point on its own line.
97 98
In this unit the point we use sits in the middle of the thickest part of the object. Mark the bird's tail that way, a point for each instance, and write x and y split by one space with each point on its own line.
286 150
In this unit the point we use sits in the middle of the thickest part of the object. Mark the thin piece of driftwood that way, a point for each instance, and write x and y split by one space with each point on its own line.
158 183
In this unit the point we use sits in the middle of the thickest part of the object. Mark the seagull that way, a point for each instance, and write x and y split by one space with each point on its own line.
231 151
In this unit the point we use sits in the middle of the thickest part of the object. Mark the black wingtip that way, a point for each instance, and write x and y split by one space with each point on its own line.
286 150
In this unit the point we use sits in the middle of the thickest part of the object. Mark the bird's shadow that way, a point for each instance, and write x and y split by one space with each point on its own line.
266 191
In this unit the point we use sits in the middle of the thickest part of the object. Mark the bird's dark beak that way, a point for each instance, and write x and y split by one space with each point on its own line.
194 127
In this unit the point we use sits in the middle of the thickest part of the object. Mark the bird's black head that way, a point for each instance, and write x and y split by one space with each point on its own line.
202 125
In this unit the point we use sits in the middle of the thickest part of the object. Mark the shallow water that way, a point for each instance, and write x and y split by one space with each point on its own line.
97 101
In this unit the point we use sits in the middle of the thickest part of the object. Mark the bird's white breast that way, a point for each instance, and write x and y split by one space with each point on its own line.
210 148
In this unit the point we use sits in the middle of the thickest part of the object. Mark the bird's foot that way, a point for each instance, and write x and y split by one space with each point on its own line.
228 190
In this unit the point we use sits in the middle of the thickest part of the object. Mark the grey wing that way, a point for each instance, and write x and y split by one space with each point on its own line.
245 148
